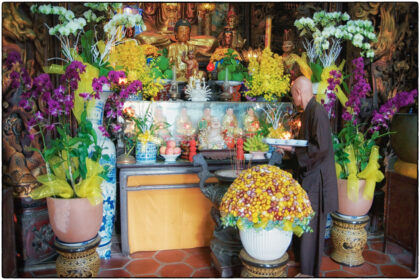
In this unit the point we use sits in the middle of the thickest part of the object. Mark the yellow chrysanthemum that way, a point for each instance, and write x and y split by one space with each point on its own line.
132 58
267 77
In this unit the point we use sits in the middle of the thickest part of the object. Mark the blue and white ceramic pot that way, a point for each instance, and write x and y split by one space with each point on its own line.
108 186
147 154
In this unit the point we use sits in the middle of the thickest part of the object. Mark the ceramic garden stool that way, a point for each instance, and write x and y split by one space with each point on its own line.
77 259
257 268
349 238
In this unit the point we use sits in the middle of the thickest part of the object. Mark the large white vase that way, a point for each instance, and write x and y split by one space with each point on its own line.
265 245
108 186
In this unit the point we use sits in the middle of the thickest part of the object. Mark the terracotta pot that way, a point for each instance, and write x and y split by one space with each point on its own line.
74 220
352 208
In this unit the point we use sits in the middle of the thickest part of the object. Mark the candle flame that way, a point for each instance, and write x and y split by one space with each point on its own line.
122 81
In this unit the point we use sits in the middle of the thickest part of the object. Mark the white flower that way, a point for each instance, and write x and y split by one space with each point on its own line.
45 9
370 54
34 8
345 16
366 46
325 45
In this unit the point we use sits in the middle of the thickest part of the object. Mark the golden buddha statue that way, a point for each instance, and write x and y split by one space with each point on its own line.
189 12
161 33
162 21
294 64
184 46
149 15
232 25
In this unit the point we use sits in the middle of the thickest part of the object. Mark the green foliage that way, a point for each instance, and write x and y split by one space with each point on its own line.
87 41
236 71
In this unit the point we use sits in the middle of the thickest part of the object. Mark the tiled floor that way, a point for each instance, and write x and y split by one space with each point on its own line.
196 263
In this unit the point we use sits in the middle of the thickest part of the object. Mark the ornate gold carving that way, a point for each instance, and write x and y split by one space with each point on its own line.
396 49
78 264
349 240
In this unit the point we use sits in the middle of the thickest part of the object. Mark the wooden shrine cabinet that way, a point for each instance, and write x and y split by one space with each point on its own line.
401 213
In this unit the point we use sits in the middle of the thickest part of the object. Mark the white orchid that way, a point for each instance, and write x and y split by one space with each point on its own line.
329 29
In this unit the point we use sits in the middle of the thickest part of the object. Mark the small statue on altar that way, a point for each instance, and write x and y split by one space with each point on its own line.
213 138
229 123
232 26
205 121
251 123
161 124
294 64
184 126
192 64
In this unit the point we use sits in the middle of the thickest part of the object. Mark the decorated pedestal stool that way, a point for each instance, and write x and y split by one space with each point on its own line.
77 259
258 268
349 238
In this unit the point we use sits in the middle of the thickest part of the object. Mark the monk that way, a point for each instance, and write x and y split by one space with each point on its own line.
316 172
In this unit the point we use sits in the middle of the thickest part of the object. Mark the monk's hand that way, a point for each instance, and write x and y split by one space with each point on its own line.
282 149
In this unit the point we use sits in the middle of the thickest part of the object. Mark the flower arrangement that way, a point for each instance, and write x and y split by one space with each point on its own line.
228 60
266 197
145 129
71 29
130 56
355 153
326 32
72 159
267 77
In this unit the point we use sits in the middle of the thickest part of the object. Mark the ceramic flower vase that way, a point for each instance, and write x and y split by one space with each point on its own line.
352 208
147 154
108 186
74 220
265 245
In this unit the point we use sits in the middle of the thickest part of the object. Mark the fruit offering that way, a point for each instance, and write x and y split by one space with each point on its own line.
264 197
255 144
170 148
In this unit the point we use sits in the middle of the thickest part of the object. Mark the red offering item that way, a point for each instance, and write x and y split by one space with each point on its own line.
210 67
193 150
240 149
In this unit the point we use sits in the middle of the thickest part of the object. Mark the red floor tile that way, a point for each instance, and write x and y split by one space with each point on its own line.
375 257
170 256
175 270
339 274
292 271
327 264
378 246
199 260
115 262
142 255
392 248
205 272
139 267
365 269
200 250
396 271
116 273
405 259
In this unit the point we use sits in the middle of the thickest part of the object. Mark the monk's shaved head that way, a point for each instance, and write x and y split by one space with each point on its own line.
302 91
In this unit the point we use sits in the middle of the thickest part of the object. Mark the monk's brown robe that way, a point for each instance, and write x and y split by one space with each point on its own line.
318 177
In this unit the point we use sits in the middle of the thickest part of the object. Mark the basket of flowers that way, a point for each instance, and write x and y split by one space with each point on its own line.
267 206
